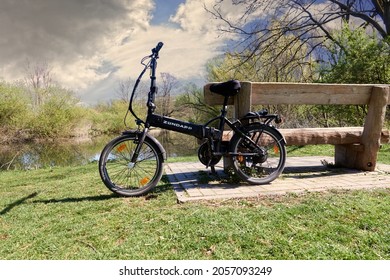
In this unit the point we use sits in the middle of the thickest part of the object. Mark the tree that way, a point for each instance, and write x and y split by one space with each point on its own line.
124 88
257 68
358 58
39 80
192 106
169 83
305 22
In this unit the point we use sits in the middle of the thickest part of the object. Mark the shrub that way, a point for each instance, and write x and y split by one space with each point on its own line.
57 116
14 106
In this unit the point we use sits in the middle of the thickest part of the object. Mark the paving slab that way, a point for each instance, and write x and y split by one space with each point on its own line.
192 181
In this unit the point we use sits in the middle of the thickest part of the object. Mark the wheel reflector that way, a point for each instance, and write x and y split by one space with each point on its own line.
144 181
121 147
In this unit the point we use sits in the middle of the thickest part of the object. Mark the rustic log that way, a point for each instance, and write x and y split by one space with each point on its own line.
371 137
316 136
310 94
294 93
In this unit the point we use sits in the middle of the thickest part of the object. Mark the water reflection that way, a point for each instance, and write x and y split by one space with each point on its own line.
71 153
176 144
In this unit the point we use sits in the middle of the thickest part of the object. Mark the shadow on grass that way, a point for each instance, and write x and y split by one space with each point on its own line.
78 199
17 203
153 194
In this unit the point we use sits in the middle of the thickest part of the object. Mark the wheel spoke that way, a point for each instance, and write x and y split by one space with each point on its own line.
127 178
261 163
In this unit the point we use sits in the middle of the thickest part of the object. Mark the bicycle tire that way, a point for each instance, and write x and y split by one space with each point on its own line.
270 154
131 179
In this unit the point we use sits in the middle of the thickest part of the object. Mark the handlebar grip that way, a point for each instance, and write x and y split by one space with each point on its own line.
158 47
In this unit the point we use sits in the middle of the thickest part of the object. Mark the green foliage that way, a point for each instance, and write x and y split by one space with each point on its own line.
358 58
57 116
355 58
108 118
14 107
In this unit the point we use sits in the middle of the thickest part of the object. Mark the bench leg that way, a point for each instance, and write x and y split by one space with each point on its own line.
371 137
346 155
364 156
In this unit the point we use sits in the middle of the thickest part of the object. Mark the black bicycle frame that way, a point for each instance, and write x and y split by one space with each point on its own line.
199 131
176 125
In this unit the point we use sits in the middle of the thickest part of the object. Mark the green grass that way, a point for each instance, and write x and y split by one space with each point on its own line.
67 213
384 154
310 150
183 159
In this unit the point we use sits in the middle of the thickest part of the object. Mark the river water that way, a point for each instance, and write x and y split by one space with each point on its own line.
81 151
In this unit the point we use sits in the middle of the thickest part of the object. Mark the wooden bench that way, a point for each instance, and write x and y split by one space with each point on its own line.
355 147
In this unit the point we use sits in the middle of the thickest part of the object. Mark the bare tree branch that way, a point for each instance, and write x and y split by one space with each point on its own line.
39 80
364 16
307 23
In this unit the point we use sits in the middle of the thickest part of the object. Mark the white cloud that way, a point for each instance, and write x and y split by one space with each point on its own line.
70 36
91 44
189 43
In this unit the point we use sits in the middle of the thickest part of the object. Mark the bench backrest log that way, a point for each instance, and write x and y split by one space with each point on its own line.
362 156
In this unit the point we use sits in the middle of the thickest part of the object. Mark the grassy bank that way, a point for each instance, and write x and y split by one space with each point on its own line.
66 213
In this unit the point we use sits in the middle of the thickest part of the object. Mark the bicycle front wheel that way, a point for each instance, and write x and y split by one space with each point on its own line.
128 178
261 159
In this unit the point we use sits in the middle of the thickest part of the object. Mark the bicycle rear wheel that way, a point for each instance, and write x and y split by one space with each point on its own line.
260 161
122 176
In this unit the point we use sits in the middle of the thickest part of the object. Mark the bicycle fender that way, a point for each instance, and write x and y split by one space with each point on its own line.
137 135
279 134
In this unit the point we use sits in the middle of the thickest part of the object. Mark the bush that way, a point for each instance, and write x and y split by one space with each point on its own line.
57 116
109 117
14 106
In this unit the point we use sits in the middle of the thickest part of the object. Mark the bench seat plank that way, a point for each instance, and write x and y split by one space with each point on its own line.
316 136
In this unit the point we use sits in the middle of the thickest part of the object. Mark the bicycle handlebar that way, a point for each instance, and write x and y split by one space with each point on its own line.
152 64
157 48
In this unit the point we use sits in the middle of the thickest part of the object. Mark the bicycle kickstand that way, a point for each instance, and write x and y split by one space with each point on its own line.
212 167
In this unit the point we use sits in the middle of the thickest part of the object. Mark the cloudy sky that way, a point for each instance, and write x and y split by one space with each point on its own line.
91 44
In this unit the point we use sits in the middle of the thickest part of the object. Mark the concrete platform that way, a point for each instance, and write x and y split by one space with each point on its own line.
192 181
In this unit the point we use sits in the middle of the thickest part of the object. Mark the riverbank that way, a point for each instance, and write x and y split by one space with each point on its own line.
40 153
80 133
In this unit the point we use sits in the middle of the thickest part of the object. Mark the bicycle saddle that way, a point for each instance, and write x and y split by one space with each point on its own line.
229 88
